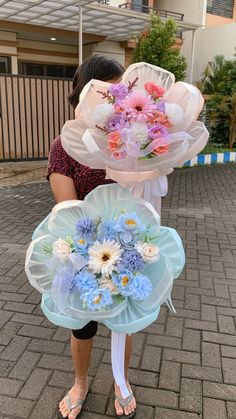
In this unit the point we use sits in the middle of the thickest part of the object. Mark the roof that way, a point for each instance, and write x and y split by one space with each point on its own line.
112 22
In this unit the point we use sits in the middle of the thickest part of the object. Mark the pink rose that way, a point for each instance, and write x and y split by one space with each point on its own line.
161 149
114 141
154 90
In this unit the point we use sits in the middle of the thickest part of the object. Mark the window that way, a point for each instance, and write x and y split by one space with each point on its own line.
47 70
223 8
5 65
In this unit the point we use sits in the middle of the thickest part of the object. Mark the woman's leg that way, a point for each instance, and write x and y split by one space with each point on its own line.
81 348
132 405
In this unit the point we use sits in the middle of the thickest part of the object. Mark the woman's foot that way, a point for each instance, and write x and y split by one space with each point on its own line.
130 408
77 392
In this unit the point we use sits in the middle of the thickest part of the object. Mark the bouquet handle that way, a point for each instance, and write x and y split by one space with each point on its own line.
118 341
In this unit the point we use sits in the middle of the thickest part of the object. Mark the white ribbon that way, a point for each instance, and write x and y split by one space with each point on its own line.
118 341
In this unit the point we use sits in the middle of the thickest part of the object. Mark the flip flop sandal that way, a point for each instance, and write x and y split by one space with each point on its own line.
125 402
71 406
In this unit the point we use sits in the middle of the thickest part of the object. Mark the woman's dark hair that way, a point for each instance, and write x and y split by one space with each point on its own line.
96 67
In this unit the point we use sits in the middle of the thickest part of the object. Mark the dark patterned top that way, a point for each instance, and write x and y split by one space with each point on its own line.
84 178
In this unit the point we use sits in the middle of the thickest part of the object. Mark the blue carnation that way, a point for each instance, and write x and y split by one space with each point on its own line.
97 299
124 282
132 260
84 281
108 231
86 228
142 287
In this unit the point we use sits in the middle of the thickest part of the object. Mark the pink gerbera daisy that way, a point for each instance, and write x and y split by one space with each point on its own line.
139 106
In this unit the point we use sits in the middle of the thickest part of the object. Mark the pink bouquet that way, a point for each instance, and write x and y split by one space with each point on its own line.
137 123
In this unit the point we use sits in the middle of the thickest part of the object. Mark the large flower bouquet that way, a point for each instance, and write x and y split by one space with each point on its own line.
138 130
105 258
139 123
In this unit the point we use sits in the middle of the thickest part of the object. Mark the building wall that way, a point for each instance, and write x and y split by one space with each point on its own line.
209 43
194 10
110 49
213 20
47 52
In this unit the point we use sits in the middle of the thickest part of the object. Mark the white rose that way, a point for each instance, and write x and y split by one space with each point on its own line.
102 112
149 251
174 113
61 249
107 283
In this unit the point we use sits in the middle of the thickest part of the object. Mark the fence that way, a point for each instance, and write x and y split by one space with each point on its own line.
32 113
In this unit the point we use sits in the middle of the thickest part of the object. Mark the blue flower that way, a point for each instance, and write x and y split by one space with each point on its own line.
84 281
142 287
108 231
86 228
81 245
132 260
97 299
124 282
128 225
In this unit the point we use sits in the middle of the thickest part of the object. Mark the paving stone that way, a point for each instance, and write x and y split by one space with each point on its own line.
35 384
213 408
158 397
155 328
16 407
56 362
5 368
5 316
62 335
151 358
8 332
211 355
96 403
36 331
208 313
148 379
10 296
47 403
229 370
170 376
181 356
164 341
200 325
191 395
20 307
46 346
25 365
219 338
27 319
174 326
161 413
192 302
15 348
219 391
226 324
103 381
192 340
202 373
231 409
228 351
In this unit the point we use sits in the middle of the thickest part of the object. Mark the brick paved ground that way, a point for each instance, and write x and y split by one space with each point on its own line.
183 366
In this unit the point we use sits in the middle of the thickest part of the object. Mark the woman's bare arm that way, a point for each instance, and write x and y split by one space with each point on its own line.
63 187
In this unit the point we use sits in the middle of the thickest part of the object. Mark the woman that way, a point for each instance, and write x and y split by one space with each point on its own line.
70 180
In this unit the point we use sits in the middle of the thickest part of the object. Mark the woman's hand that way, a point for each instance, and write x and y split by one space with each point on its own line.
63 187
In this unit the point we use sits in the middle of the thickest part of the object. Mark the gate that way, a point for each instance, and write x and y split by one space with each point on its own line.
32 113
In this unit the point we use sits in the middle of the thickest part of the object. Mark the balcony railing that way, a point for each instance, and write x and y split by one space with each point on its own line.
147 9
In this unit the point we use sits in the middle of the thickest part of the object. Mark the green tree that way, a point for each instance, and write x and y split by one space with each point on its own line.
157 46
219 81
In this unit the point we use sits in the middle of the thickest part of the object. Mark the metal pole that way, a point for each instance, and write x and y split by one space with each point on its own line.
80 35
192 55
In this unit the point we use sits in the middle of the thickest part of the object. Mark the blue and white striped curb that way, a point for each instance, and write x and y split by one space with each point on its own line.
204 159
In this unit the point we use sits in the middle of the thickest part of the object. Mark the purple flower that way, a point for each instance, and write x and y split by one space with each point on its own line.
157 131
116 122
119 90
132 260
86 228
161 106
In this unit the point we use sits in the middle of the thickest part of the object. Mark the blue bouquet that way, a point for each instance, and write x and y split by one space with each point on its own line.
106 259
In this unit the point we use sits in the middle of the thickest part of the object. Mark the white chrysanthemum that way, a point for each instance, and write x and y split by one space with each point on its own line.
103 256
140 132
174 113
149 251
61 249
102 112
107 283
